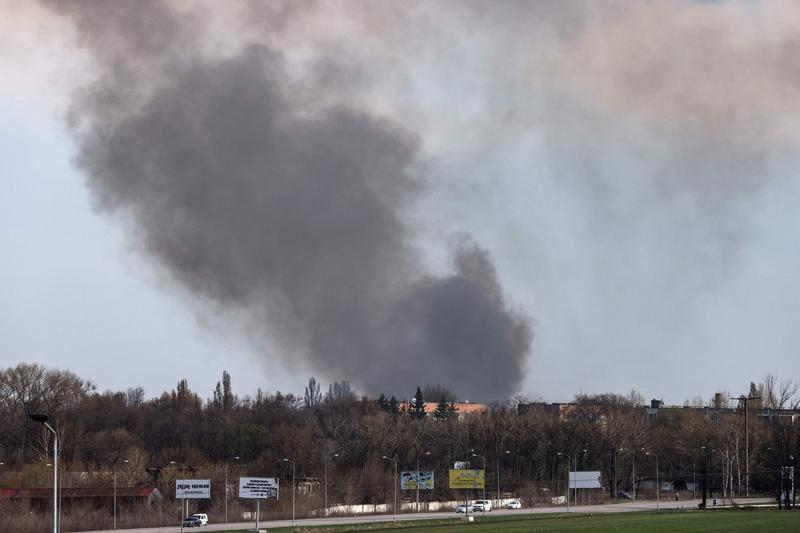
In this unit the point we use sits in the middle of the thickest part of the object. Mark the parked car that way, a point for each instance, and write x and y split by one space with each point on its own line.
514 504
624 496
191 521
463 508
203 518
482 506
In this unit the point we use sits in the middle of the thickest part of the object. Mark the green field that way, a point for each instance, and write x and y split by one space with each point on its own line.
647 522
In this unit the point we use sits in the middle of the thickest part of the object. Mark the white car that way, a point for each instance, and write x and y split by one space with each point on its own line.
482 506
514 504
463 508
202 517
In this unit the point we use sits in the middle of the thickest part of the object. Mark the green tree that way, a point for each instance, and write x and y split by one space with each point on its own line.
418 411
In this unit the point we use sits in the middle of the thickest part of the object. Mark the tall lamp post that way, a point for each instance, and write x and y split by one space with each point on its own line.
184 512
713 451
484 477
327 457
633 472
287 460
616 487
658 487
418 477
394 509
498 476
114 467
235 458
42 419
585 451
565 454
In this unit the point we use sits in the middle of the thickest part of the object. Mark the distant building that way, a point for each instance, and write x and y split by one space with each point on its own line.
101 497
462 408
656 408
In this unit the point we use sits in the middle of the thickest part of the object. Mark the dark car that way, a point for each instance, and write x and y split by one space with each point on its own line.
192 521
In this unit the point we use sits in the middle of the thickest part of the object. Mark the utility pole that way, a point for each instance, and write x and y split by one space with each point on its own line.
42 419
744 399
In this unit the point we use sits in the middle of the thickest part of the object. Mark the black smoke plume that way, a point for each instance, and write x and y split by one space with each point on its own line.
287 209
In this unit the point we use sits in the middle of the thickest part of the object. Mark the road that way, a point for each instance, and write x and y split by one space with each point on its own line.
626 507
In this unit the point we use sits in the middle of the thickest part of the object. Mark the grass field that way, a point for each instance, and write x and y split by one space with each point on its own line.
666 522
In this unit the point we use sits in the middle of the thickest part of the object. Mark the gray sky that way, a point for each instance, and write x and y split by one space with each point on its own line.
630 172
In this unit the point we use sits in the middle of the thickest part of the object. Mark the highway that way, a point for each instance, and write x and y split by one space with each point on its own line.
626 507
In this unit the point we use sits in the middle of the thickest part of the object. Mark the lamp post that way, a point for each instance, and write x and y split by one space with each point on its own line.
565 454
394 510
575 492
633 468
235 458
184 512
484 476
722 457
418 477
658 496
286 460
498 476
114 467
42 419
616 488
327 457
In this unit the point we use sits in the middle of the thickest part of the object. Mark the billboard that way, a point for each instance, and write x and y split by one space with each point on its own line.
585 480
416 479
199 489
259 488
467 479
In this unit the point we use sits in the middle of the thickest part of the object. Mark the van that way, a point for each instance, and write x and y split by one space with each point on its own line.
482 506
202 517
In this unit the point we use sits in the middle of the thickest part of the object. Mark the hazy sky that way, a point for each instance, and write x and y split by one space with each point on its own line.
630 171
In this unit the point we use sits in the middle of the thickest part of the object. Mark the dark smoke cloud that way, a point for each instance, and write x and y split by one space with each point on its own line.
292 212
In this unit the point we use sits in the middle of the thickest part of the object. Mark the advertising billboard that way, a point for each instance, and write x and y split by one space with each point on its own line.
198 489
415 479
585 480
467 479
260 488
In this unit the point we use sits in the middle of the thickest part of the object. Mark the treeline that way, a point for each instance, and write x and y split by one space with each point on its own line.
149 441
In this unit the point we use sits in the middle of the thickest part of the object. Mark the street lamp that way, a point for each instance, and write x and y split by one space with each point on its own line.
616 488
235 458
498 476
418 477
327 458
575 491
565 454
285 460
42 419
184 503
484 476
394 461
658 487
114 468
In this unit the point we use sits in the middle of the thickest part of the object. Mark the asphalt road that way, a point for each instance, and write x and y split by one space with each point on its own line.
626 507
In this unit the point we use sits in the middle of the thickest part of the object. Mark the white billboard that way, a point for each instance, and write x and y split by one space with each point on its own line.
260 488
413 479
198 489
585 480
